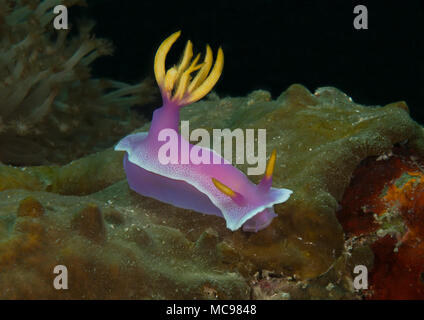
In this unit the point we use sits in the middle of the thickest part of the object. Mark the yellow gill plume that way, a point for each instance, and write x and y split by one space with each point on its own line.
176 84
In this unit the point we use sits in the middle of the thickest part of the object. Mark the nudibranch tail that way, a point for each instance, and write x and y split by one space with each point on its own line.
176 84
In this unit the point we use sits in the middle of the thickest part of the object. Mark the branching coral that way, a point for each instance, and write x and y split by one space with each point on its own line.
46 93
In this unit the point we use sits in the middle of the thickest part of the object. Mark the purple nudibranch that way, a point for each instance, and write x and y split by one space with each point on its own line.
216 189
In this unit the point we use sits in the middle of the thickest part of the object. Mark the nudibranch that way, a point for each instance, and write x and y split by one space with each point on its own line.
215 188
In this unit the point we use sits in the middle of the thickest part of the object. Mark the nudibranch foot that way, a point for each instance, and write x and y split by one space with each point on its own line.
262 220
177 192
215 188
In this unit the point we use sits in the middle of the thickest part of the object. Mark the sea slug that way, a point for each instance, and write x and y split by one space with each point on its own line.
216 187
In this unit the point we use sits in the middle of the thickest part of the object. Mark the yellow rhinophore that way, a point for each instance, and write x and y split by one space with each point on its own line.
271 164
176 84
223 188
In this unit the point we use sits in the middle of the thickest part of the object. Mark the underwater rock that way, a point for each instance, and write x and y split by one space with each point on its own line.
30 207
320 139
114 216
89 222
154 250
80 177
140 258
384 209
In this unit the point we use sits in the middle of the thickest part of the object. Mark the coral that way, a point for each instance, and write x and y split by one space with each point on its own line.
148 249
384 208
51 110
80 177
89 222
30 207
137 258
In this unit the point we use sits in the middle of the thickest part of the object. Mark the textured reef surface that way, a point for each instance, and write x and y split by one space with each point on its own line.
384 208
358 197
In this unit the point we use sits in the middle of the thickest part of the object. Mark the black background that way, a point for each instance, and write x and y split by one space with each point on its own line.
273 44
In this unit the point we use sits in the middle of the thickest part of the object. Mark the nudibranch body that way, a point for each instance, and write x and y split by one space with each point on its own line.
215 188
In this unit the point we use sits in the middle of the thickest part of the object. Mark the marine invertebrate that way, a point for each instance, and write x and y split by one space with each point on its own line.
46 93
215 188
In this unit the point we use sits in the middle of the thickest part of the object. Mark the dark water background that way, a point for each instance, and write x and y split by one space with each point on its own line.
272 44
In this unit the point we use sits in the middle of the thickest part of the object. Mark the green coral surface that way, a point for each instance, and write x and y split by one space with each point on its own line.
118 244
